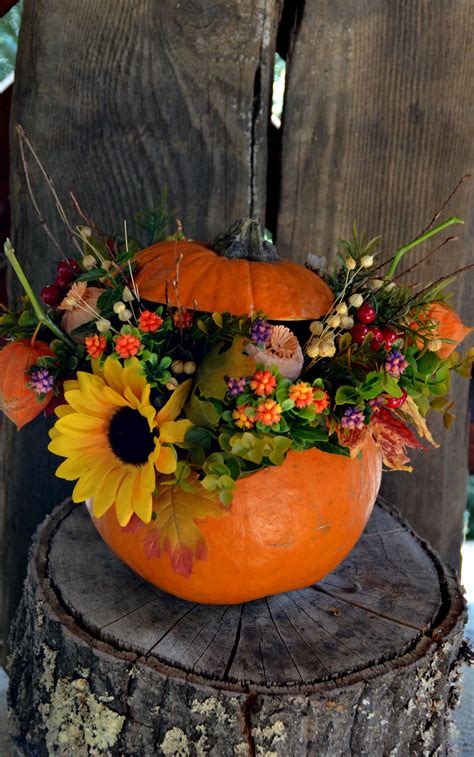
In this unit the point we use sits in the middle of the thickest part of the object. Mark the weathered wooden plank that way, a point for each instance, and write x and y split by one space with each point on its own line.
374 606
375 129
154 95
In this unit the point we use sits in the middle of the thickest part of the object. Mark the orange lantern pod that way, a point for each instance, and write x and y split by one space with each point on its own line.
447 325
17 401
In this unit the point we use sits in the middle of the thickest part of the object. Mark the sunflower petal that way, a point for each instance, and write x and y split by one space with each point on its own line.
123 500
174 431
175 404
106 490
62 410
113 374
167 460
78 424
132 378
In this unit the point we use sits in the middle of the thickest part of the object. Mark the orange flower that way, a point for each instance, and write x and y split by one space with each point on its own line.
183 319
149 322
301 394
263 383
321 403
95 346
240 417
127 345
268 412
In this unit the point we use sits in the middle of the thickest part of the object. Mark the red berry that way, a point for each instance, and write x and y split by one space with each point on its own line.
68 267
51 295
366 313
389 337
393 402
64 280
358 332
377 337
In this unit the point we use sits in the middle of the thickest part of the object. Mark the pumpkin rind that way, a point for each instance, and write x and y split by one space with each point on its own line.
288 527
284 290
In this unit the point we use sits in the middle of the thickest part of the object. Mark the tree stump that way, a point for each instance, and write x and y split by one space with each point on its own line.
365 662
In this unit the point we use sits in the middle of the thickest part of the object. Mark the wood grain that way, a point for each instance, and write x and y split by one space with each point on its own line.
358 664
378 603
121 99
378 104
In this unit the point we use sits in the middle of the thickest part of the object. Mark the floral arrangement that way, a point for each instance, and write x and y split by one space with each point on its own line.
155 402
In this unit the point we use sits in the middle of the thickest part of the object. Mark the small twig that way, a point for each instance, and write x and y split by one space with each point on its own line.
43 223
445 277
426 257
62 214
466 177
91 225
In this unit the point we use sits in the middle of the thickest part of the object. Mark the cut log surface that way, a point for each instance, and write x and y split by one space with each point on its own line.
363 662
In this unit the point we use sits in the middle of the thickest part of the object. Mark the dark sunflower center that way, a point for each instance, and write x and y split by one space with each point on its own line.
130 436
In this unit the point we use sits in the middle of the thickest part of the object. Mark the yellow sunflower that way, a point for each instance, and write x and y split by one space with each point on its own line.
113 439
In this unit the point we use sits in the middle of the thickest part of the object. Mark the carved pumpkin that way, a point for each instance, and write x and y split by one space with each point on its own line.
287 528
17 401
288 525
240 274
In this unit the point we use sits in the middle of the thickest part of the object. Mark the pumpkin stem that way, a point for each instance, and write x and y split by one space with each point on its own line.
244 239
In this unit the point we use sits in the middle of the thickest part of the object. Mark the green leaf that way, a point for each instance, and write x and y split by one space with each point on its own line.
392 387
428 364
372 386
347 395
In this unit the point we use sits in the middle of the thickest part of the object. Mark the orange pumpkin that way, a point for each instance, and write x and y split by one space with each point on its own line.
448 325
287 528
232 281
17 401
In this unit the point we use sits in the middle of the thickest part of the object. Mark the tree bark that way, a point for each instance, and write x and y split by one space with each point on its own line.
362 663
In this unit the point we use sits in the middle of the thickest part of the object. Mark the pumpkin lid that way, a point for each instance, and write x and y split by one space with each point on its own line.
238 273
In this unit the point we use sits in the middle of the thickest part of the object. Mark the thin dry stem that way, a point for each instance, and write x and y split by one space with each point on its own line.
43 223
426 257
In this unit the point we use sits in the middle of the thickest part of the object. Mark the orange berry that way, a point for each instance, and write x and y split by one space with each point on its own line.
95 346
149 322
301 394
263 383
321 403
268 412
240 417
183 319
127 345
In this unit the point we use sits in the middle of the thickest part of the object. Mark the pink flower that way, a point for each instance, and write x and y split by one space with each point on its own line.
79 305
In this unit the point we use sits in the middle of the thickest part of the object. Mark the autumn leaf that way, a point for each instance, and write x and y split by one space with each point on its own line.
409 410
354 439
175 531
393 436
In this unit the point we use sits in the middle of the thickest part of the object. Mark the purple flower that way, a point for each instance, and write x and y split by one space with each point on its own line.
396 364
261 332
353 418
235 385
41 381
376 404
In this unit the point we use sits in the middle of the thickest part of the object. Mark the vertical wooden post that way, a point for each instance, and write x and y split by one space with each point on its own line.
377 104
123 99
